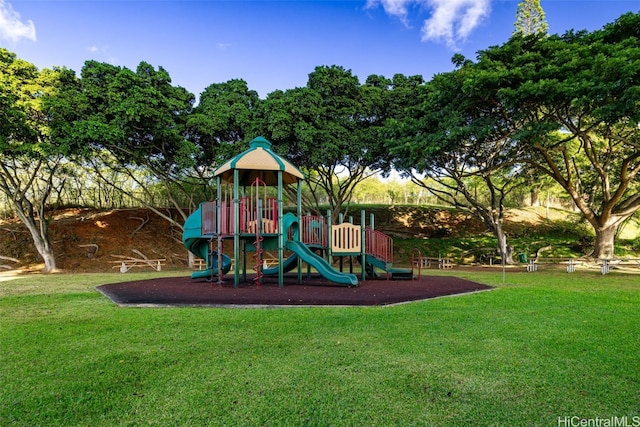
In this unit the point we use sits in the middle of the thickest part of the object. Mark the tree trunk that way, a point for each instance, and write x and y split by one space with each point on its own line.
603 247
506 250
191 259
49 260
39 230
41 241
534 198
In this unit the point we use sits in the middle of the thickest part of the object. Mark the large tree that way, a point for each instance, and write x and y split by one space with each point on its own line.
332 130
136 123
33 156
453 138
577 98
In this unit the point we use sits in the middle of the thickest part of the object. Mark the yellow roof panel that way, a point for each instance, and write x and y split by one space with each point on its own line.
259 161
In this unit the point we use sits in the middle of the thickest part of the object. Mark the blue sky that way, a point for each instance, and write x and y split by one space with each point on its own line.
275 44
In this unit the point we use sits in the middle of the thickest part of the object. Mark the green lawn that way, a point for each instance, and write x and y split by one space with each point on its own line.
542 346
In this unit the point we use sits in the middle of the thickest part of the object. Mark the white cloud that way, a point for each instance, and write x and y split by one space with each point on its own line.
396 8
11 27
451 21
454 20
223 46
93 49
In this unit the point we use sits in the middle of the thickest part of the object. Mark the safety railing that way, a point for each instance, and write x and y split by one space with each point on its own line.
379 245
313 230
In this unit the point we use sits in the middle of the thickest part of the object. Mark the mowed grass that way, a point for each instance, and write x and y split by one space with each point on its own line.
540 347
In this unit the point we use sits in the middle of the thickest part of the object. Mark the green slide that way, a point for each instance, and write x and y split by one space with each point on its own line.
288 264
288 220
302 251
320 264
198 244
396 273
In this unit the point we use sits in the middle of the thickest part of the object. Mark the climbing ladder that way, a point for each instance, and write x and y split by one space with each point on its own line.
254 221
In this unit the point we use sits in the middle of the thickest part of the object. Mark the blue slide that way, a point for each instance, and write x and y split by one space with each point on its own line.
198 244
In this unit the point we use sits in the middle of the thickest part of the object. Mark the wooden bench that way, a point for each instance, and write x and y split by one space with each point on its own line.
199 264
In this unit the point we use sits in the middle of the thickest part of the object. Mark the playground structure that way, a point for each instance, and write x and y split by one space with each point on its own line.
249 212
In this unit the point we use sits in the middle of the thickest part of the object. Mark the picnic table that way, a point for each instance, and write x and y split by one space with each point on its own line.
126 263
442 262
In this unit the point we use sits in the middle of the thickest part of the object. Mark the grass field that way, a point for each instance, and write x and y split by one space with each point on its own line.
540 349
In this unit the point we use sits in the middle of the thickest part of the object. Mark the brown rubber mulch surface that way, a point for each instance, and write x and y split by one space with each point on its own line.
184 291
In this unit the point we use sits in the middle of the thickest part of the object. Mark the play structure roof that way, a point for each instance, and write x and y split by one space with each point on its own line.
259 161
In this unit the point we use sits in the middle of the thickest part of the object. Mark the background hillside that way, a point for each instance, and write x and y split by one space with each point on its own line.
90 240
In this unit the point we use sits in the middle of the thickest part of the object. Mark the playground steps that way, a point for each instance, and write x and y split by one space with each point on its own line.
401 273
395 273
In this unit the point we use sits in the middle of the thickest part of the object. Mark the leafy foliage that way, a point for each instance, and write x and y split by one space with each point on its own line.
563 106
34 157
223 122
331 128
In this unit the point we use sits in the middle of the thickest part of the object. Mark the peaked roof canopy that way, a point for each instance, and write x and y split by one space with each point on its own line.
259 161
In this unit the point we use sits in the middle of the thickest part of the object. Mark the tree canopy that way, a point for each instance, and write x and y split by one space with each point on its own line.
137 121
223 122
331 130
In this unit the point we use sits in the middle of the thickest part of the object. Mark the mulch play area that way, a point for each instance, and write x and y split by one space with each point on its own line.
184 291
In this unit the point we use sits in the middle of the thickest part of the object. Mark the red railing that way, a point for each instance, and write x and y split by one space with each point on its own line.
379 245
416 262
313 230
248 217
208 218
